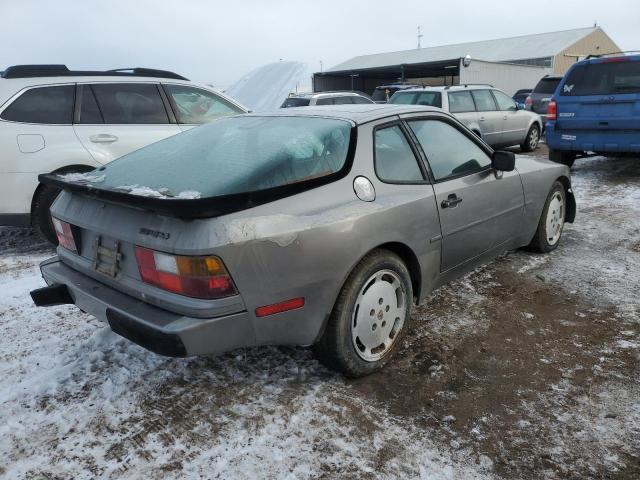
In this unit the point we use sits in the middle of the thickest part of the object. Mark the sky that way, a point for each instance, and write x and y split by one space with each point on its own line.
218 42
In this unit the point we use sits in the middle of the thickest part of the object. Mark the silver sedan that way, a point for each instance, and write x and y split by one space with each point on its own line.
309 226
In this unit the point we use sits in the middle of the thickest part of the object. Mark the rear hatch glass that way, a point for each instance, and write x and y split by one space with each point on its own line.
430 99
234 162
541 95
601 95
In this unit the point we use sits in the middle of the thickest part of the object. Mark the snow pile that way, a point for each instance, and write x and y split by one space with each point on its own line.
265 88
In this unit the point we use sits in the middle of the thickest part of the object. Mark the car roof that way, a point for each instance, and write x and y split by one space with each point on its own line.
327 94
442 88
358 114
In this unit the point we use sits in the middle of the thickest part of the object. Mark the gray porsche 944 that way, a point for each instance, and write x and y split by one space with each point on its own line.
314 226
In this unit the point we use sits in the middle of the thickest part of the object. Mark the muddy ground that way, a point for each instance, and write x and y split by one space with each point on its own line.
527 368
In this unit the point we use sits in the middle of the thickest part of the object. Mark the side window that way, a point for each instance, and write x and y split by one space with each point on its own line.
394 159
450 153
324 101
89 111
504 102
360 100
460 102
484 100
196 106
51 105
429 99
342 100
130 103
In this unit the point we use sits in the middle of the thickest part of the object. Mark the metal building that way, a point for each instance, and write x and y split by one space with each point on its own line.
507 63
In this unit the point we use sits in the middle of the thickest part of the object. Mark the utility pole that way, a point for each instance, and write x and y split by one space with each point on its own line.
419 36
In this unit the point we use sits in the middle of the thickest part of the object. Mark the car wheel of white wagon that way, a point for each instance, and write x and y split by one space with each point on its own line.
551 222
532 139
370 316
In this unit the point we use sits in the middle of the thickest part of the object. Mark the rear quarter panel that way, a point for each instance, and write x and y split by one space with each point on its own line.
537 175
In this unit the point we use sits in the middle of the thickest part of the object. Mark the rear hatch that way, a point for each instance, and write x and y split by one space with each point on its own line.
541 95
601 95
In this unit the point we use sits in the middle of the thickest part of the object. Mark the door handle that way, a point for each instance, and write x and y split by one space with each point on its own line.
482 119
103 138
504 118
452 201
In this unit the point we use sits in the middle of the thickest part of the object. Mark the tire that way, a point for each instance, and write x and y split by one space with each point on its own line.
40 215
549 231
563 157
359 321
532 139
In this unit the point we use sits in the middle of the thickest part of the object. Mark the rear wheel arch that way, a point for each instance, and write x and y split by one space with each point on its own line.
66 169
400 249
42 199
571 201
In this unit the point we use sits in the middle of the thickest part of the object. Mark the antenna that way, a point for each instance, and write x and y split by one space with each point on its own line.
420 35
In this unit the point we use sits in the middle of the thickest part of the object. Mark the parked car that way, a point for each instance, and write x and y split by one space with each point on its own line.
487 111
520 96
383 93
324 229
56 120
326 98
541 95
596 108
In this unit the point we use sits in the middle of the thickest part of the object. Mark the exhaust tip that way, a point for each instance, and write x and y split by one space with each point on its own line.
57 294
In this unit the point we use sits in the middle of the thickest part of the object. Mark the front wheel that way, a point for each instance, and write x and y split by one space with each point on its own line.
532 139
551 223
370 316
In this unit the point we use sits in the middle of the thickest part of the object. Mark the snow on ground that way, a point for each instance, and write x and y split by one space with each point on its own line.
526 368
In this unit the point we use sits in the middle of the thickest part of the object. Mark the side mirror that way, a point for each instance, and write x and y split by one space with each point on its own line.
503 161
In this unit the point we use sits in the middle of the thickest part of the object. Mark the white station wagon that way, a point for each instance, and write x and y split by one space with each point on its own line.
53 119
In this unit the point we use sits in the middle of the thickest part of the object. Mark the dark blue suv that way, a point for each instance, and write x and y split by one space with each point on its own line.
596 108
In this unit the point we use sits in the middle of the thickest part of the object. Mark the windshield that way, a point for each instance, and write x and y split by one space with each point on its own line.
430 99
547 85
380 94
230 156
603 78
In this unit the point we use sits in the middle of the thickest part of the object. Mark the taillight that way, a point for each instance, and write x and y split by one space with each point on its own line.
65 235
528 102
552 110
200 277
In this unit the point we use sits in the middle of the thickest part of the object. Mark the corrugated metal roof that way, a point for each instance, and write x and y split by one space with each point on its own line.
499 50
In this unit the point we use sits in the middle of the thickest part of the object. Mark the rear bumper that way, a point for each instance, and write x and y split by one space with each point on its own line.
155 329
604 141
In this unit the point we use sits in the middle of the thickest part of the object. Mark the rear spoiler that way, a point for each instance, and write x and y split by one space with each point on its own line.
190 208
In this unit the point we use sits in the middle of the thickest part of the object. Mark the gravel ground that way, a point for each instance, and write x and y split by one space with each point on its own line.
526 368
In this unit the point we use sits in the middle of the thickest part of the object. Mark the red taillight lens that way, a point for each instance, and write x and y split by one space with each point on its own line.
552 110
65 235
200 277
528 102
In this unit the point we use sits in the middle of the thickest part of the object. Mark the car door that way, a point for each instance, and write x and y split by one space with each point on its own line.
514 128
480 209
113 119
462 106
489 118
194 106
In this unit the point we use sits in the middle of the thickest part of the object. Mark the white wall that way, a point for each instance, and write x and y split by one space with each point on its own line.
505 76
